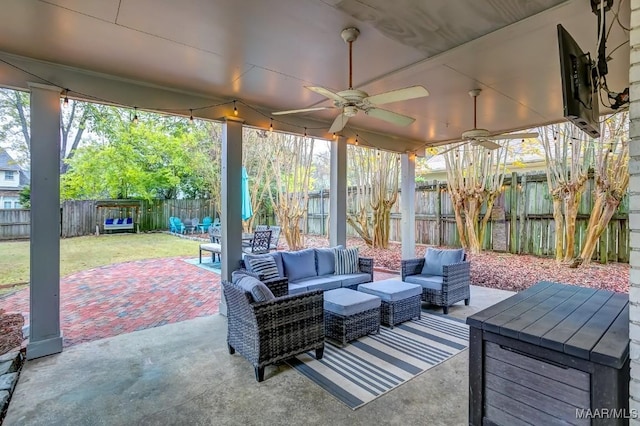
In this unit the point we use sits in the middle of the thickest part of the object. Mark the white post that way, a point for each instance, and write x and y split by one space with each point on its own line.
338 193
231 214
45 337
634 211
407 204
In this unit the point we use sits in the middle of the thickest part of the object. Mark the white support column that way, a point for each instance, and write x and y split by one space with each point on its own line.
407 204
634 211
338 193
231 215
45 337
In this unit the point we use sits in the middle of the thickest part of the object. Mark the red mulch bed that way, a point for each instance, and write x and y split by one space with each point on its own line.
503 270
10 331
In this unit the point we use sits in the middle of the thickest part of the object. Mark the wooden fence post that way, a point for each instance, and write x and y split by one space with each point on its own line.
513 230
438 211
523 214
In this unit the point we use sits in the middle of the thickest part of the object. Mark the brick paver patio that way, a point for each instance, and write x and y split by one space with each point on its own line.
126 297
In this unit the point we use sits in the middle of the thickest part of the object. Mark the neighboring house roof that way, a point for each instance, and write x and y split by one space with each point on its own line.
7 162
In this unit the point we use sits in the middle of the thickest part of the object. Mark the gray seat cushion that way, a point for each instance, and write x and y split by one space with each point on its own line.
434 282
435 258
328 282
297 288
299 264
345 302
391 290
353 279
258 290
276 255
213 247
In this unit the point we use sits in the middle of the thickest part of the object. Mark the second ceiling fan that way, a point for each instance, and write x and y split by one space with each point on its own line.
483 137
351 100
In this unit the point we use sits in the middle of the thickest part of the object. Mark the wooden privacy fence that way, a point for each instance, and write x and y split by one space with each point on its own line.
14 223
522 220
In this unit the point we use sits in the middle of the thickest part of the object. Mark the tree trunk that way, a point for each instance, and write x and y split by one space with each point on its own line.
471 219
559 228
570 214
606 213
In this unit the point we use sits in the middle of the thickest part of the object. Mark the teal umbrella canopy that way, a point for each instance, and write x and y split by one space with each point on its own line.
247 211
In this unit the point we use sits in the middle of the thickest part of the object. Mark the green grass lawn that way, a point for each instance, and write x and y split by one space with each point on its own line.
81 253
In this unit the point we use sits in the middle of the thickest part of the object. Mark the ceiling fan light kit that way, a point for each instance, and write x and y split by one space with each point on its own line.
351 100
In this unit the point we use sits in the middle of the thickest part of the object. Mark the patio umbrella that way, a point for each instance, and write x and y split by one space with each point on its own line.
247 211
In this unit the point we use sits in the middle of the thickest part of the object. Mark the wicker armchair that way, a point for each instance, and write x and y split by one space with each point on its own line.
272 331
456 279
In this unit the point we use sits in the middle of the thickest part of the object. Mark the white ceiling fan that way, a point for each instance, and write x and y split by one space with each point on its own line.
352 100
483 137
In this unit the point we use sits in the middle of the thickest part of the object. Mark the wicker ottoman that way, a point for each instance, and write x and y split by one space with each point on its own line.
400 300
349 314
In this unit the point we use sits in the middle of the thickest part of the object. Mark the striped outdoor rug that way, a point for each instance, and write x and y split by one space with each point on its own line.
373 365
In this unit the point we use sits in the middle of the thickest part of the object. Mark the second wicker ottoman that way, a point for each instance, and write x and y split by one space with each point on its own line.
400 300
349 314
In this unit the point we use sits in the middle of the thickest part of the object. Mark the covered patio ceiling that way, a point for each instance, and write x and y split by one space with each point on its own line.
175 56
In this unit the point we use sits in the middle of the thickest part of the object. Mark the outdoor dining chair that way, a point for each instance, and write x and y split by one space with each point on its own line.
260 242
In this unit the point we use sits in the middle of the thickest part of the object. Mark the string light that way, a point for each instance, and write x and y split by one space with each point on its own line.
334 136
191 116
66 97
271 126
235 109
356 139
305 132
135 115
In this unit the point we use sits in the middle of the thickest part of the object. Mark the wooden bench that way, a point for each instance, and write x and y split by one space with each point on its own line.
118 224
214 248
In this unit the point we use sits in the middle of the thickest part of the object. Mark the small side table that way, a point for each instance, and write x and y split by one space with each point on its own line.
400 300
549 355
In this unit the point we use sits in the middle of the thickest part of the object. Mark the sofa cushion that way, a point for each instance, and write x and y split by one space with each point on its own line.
276 255
258 290
435 258
348 280
326 260
108 222
345 302
297 288
299 264
265 267
327 282
433 282
346 261
391 290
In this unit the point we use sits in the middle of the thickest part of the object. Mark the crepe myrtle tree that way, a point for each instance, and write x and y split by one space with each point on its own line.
474 176
374 177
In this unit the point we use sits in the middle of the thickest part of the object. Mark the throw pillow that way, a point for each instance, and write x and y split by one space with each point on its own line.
265 267
435 258
326 260
258 290
346 261
299 264
275 255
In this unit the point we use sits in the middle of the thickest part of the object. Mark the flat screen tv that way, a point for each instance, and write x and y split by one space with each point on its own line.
579 88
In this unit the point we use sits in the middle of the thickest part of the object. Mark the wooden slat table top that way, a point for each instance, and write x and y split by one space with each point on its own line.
581 322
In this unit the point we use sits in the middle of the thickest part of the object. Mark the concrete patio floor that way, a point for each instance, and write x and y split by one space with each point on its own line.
182 374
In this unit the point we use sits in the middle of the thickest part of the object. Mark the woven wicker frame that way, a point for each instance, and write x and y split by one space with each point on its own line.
347 328
456 279
272 331
398 311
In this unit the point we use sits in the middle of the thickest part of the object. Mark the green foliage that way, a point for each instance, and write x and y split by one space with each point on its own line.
25 197
156 158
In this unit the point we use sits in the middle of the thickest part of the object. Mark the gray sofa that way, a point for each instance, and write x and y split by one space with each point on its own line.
312 269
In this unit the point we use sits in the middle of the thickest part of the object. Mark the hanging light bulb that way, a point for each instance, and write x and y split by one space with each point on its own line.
191 116
334 136
305 132
356 143
235 109
135 115
271 126
66 97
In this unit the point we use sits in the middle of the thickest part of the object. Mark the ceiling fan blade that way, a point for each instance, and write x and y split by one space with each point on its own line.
398 95
457 145
295 111
485 143
339 123
513 136
327 93
390 116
